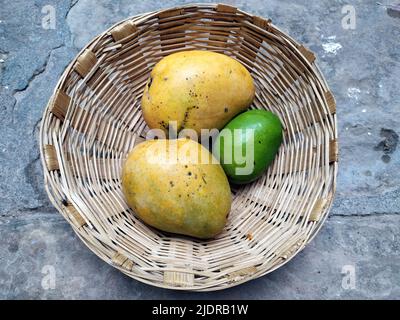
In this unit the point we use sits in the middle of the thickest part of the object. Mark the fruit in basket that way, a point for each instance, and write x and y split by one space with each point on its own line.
248 144
177 186
197 89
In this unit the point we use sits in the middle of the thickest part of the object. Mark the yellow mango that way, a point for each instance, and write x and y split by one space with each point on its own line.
177 186
197 89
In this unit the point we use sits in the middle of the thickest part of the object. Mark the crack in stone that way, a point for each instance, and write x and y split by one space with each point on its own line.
41 208
27 172
44 209
17 213
38 71
35 126
72 4
20 217
32 177
35 74
363 215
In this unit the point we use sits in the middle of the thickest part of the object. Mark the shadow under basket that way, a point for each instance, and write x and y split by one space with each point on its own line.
94 119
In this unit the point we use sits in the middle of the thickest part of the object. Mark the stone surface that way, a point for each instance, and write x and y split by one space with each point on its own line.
361 67
34 60
37 247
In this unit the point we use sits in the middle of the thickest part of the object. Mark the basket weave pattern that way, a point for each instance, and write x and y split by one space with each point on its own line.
94 119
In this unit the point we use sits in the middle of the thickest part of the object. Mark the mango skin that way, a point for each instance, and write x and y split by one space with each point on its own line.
185 197
198 89
267 140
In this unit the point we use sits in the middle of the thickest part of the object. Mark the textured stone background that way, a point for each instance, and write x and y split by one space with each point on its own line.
363 230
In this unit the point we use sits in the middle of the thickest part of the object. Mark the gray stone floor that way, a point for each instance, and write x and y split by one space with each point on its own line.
363 230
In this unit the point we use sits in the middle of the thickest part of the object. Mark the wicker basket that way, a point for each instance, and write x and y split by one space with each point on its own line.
94 118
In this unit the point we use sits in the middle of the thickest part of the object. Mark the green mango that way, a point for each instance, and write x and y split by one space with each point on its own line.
248 144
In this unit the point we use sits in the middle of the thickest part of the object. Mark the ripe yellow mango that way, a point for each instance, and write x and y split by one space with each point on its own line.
177 186
197 89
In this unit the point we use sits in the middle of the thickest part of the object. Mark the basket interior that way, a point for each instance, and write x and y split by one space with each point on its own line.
94 119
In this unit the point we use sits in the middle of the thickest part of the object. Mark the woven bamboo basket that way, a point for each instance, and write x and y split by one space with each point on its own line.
94 119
